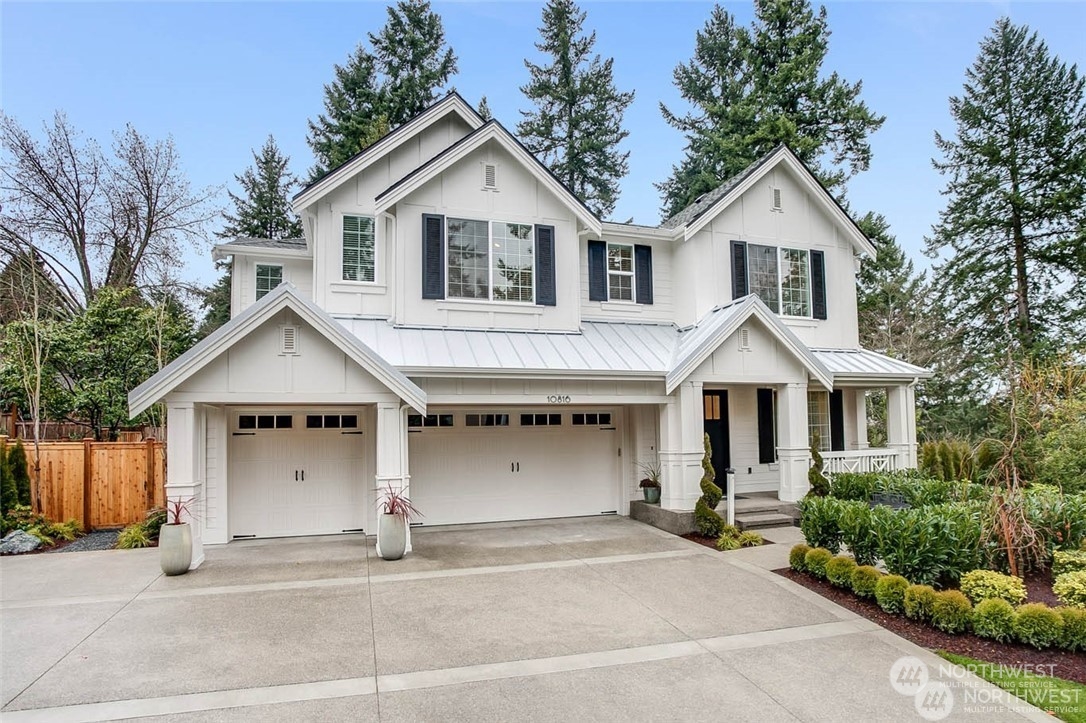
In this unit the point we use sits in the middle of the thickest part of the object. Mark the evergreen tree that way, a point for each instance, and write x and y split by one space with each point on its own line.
1014 228
355 114
576 125
484 109
263 211
754 88
412 56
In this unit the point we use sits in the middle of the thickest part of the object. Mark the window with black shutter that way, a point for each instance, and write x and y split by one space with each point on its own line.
597 271
545 294
433 256
643 273
837 421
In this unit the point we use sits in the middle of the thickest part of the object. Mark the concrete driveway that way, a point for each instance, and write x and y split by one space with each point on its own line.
584 619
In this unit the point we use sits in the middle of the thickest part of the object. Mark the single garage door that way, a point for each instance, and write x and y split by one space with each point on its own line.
296 473
490 467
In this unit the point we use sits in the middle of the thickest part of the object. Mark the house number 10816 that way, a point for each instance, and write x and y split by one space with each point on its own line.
558 399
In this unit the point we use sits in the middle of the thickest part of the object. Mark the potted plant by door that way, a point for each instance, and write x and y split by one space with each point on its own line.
650 485
175 538
396 512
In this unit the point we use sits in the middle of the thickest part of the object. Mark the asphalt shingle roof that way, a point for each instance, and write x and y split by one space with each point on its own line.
267 243
707 200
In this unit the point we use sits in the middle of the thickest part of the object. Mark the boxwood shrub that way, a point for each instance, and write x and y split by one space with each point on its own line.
815 561
1074 629
987 584
1038 625
951 611
994 618
796 557
839 571
890 593
865 578
1070 588
918 601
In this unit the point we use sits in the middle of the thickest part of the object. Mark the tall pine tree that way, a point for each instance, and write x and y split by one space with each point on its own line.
754 88
1014 228
355 114
413 58
261 211
576 125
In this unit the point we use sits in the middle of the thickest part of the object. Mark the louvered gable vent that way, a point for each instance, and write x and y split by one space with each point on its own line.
490 175
288 339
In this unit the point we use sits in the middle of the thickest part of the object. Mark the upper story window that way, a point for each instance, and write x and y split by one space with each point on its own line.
358 249
268 276
791 282
620 272
490 260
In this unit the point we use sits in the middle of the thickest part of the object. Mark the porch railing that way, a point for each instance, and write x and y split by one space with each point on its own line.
861 460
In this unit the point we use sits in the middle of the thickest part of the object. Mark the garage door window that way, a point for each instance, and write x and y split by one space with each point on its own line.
331 421
540 420
430 420
265 421
486 420
592 419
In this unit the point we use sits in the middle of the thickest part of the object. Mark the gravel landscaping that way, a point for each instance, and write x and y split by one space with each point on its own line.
99 540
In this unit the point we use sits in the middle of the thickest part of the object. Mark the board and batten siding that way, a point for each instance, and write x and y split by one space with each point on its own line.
660 310
215 449
297 271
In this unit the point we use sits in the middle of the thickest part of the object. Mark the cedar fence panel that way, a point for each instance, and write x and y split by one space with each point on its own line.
100 484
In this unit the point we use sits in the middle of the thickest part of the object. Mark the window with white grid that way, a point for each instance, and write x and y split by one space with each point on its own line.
620 272
818 419
358 249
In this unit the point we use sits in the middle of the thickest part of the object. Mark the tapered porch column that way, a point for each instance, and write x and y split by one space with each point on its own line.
901 424
185 438
681 432
793 452
392 462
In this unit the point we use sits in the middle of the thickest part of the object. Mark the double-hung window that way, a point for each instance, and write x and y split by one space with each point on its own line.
268 276
620 272
781 277
818 420
358 249
490 260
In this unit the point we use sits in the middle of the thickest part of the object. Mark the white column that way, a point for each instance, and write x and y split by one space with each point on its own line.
184 478
793 451
860 410
901 424
392 462
682 429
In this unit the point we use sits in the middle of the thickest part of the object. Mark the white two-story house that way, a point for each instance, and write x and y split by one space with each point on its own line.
455 322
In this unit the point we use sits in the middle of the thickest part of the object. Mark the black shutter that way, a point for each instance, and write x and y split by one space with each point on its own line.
818 284
433 256
597 271
740 287
544 274
643 273
767 449
837 421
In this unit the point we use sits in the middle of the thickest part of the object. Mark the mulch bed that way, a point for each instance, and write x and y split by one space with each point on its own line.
707 541
1065 664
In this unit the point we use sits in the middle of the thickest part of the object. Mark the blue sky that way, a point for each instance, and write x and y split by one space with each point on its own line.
219 77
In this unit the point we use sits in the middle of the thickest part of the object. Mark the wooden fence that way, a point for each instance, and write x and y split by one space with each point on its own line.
100 484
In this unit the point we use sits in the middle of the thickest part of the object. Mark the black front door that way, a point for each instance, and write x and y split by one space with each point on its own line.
716 426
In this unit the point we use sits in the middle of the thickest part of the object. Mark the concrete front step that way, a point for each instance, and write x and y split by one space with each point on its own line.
762 520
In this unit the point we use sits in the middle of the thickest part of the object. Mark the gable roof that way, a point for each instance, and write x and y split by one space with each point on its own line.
492 130
697 215
697 343
453 102
265 246
285 296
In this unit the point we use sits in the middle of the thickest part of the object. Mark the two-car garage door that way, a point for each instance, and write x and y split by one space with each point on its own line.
488 467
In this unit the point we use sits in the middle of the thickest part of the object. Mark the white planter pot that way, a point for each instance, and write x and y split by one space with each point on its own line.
391 536
175 548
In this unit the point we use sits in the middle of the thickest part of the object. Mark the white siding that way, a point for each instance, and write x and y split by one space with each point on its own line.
660 310
215 523
297 271
750 476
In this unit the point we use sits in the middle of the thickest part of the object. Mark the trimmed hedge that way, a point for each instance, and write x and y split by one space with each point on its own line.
816 560
890 593
994 618
1068 561
839 571
865 579
918 601
1070 588
796 557
987 584
1038 625
951 612
1074 629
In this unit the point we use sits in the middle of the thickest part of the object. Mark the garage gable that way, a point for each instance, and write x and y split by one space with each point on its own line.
281 346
